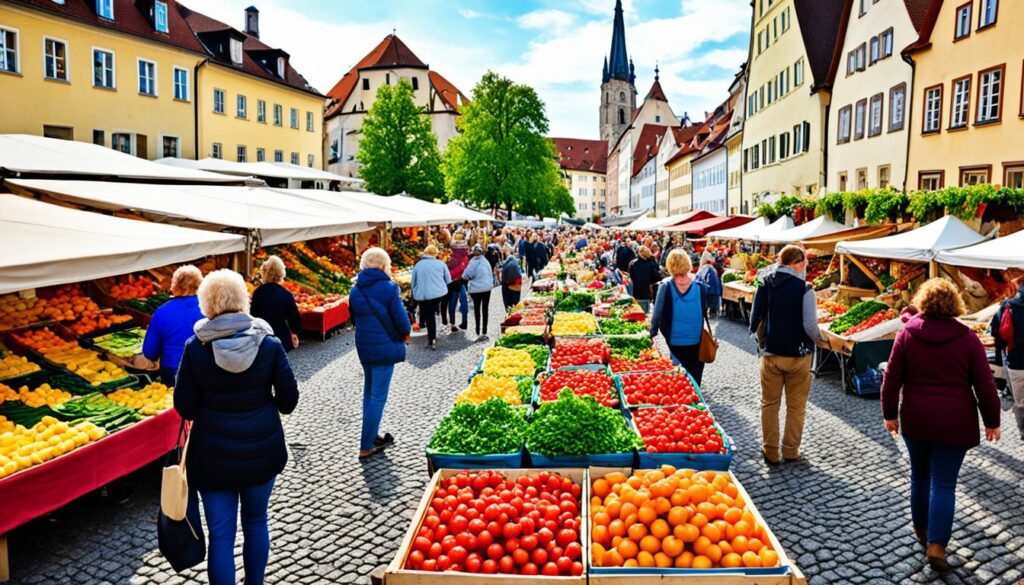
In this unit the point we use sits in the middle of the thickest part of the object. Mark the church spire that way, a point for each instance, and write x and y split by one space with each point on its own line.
618 61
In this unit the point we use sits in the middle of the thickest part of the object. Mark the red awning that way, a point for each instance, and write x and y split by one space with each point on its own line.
692 216
703 226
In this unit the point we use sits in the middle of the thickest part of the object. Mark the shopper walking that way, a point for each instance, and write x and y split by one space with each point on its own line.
785 305
233 384
1010 349
511 279
276 305
382 331
624 255
457 287
644 275
430 278
679 311
709 276
171 325
479 279
937 381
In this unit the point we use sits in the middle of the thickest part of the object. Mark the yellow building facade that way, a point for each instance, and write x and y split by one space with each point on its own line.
968 101
680 181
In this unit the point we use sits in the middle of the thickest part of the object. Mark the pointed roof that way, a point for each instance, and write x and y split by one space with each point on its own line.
819 22
392 52
647 146
619 66
446 90
656 92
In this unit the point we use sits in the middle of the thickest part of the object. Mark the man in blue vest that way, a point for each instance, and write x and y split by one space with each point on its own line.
786 308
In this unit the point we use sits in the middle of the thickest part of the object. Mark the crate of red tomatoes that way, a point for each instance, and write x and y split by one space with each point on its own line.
580 352
682 436
659 389
582 383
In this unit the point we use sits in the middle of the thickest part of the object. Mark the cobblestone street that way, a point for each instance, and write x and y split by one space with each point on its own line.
842 514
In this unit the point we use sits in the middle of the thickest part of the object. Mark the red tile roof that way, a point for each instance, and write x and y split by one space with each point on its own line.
446 90
646 146
394 53
820 21
656 93
580 154
925 27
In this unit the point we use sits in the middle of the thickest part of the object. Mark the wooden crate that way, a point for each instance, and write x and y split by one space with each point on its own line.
793 575
396 574
737 291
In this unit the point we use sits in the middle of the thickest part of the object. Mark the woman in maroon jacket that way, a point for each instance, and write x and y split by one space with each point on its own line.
938 379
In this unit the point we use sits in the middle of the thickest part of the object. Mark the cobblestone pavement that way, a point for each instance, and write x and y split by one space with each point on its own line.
842 515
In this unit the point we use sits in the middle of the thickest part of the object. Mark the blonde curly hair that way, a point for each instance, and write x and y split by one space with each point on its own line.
223 291
939 297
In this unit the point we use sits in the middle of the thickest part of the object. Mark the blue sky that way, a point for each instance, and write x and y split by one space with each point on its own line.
557 47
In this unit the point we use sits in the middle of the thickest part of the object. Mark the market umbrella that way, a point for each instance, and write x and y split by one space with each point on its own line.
920 245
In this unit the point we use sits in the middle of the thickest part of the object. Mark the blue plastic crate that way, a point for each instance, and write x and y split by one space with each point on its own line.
456 461
595 460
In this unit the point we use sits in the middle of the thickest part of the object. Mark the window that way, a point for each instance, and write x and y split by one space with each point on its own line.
55 59
1013 175
59 132
236 51
366 84
218 101
105 9
798 73
278 156
261 111
102 69
884 173
897 101
862 179
875 56
932 109
987 13
930 180
99 138
770 93
415 83
842 182
805 136
121 142
786 17
278 115
169 146
974 175
960 111
8 50
844 124
335 151
859 112
160 17
798 138
387 79
217 150
851 63
242 153
295 158
309 121
771 149
241 106
147 77
261 155
875 116
181 84
990 95
862 53
863 7
622 116
963 22
295 118
784 145
887 43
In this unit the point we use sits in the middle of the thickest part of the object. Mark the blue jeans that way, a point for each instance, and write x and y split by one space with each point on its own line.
221 510
376 381
458 295
934 468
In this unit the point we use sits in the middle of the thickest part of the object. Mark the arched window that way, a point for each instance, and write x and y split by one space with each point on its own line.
622 96
622 116
607 98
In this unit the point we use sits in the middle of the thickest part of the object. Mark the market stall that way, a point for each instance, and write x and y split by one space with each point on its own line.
746 231
705 226
275 173
816 228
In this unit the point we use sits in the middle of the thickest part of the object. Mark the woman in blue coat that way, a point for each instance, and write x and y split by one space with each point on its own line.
679 311
171 325
382 330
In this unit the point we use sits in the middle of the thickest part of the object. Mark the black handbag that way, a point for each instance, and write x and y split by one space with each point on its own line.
182 542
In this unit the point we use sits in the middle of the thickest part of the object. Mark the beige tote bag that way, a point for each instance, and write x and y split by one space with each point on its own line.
174 485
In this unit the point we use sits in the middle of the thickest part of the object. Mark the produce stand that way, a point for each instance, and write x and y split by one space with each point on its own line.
739 298
323 321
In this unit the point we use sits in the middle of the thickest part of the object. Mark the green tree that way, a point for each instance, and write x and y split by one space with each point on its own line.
398 152
502 157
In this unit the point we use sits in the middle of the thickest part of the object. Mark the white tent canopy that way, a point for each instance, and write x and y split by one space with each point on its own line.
783 224
998 254
920 245
56 245
407 211
646 223
275 216
467 213
256 169
815 228
378 206
747 231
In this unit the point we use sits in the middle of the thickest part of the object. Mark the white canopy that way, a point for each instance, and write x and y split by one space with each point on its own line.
22 153
646 223
406 211
467 213
50 244
920 245
747 231
256 169
275 216
783 224
373 205
822 226
999 254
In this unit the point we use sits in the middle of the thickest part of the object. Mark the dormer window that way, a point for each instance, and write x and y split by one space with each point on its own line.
236 51
105 9
280 67
160 17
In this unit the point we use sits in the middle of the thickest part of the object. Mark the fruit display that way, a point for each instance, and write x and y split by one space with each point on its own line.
574 301
649 360
872 321
539 353
659 389
86 364
483 387
574 425
124 343
678 429
42 340
502 361
148 305
573 324
313 302
856 315
579 352
582 383
133 287
342 256
528 317
43 395
13 366
528 329
97 321
675 518
829 310
22 447
489 522
491 427
305 267
149 401
99 410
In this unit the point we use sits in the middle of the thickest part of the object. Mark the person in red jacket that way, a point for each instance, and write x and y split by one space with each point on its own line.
936 382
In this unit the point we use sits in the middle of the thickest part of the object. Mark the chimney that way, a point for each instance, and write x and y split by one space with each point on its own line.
252 22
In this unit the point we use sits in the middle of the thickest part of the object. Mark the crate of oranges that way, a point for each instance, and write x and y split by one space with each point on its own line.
657 525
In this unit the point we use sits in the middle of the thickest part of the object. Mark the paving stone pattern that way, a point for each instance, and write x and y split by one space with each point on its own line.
842 514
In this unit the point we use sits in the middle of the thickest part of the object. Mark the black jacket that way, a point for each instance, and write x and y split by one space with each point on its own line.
623 256
644 274
237 439
1015 358
276 305
779 303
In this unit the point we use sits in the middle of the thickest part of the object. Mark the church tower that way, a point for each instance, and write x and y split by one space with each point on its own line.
618 91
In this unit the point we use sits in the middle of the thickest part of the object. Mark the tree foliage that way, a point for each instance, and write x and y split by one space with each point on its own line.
398 151
502 157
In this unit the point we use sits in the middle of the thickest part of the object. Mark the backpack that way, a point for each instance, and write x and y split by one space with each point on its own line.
1006 332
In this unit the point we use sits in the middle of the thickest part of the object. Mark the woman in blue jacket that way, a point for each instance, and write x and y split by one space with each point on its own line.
679 311
233 384
171 325
382 330
479 277
430 279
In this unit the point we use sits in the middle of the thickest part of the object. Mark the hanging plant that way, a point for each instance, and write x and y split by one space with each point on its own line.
885 205
855 202
768 211
926 206
786 205
832 206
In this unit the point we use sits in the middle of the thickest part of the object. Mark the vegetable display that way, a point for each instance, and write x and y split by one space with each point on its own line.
123 344
573 324
44 395
678 429
87 364
582 383
856 315
617 326
731 277
579 352
99 410
502 361
574 301
22 447
574 425
483 387
628 347
872 321
539 353
148 305
649 360
149 401
514 339
493 426
13 366
658 389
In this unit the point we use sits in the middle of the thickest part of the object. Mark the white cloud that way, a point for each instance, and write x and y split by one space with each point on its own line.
547 20
470 14
725 58
606 8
